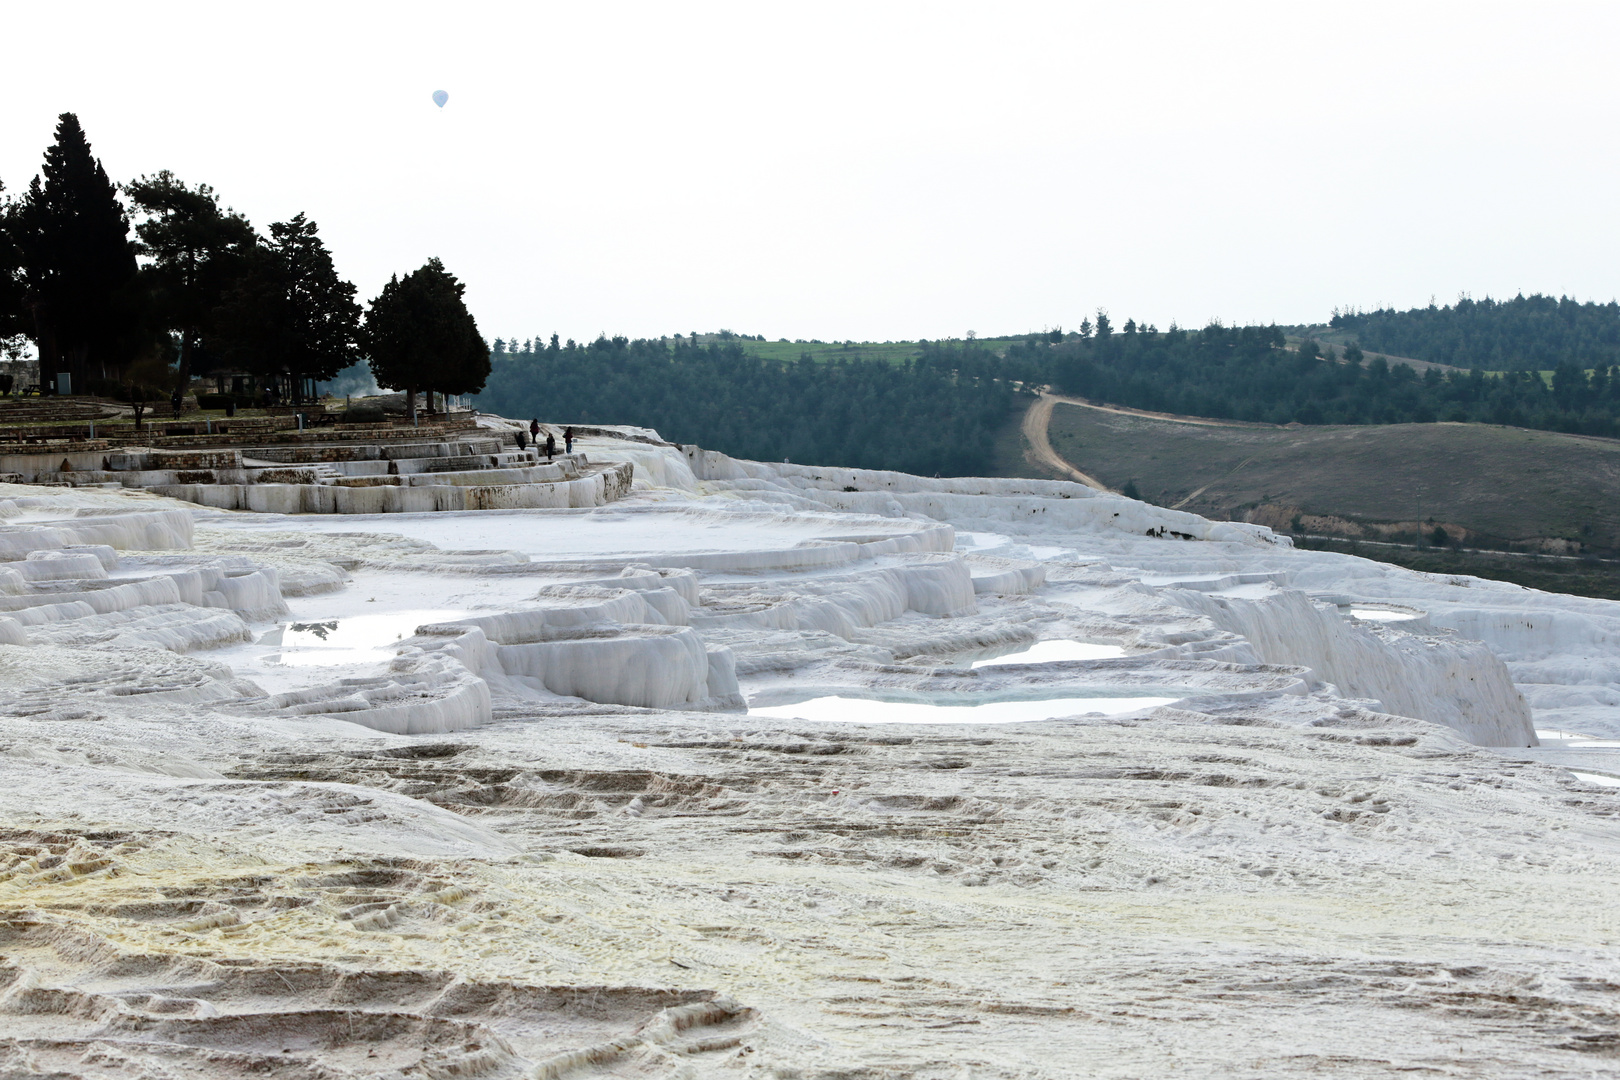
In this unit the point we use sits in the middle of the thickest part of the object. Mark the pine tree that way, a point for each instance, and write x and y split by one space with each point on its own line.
78 264
419 335
291 316
197 252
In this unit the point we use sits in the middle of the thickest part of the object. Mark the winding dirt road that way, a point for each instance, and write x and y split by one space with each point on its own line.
1040 452
1038 417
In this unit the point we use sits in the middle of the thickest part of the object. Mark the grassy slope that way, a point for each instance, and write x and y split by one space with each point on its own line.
1503 484
1340 338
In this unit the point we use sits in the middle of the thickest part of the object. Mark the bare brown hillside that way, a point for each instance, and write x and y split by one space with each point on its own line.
1533 490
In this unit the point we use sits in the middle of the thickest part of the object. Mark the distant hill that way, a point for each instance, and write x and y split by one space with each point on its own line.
1527 332
929 414
1497 486
944 407
1245 373
1386 488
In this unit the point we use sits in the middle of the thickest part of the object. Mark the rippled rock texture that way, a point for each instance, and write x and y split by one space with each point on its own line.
477 794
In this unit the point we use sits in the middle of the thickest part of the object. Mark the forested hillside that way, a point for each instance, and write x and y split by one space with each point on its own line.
940 410
920 416
1525 332
1244 373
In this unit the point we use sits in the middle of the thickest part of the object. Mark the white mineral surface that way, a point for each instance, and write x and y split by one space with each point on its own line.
782 771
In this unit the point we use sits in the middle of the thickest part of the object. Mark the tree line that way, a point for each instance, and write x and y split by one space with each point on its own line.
1247 373
1526 332
919 416
135 290
939 412
142 288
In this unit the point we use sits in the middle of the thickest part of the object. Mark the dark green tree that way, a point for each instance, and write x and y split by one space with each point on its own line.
470 371
291 317
151 376
1569 385
938 414
13 314
196 251
419 335
78 264
1535 332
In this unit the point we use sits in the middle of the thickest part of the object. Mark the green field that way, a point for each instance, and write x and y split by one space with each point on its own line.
893 352
1487 486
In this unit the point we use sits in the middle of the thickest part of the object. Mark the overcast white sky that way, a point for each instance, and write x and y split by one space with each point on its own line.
871 170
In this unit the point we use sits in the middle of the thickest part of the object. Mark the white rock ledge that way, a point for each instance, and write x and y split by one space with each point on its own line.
474 792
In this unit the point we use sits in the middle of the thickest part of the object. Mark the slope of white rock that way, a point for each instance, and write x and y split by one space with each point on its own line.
478 793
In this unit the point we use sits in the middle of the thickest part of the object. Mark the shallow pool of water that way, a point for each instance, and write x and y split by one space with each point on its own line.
1596 778
1573 740
355 639
855 710
987 543
1049 652
1382 614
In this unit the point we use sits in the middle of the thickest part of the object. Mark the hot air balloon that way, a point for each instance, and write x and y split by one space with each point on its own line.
440 97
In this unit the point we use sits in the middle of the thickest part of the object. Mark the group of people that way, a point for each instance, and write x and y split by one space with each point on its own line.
551 439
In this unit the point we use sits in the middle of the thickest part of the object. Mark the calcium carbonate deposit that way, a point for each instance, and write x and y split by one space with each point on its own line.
786 771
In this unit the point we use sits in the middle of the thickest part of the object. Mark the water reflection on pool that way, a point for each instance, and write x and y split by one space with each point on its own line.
1375 614
856 710
356 639
1048 652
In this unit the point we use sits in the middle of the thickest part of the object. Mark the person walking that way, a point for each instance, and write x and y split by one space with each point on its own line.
534 431
568 440
551 445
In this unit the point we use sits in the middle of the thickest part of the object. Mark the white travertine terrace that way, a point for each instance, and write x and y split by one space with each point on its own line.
525 825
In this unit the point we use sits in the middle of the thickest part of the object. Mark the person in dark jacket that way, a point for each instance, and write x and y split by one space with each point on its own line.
551 445
534 431
568 440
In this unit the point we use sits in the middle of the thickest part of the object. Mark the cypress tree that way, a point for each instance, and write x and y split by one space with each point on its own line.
78 264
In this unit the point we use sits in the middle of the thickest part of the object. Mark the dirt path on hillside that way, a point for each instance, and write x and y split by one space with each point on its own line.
1038 418
1173 418
1040 452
